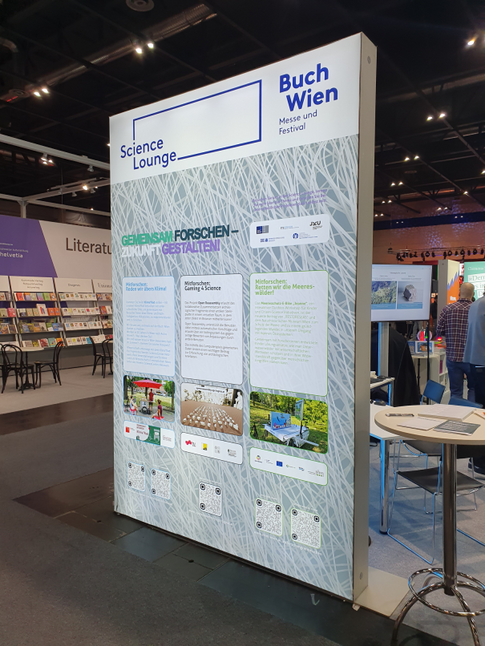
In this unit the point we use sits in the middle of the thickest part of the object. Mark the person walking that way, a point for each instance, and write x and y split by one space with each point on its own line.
453 325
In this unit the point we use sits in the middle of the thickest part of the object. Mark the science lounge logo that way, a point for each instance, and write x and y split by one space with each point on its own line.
147 154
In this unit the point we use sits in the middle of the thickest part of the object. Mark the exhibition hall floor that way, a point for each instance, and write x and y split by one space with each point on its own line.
74 573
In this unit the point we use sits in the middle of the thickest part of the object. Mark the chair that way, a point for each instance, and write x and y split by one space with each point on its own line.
13 361
108 355
456 401
433 391
52 365
430 481
99 357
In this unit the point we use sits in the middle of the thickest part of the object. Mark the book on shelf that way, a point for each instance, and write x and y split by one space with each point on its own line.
51 311
3 312
27 344
35 343
24 327
43 326
52 342
41 310
4 296
11 312
44 343
46 296
19 296
4 328
31 327
40 296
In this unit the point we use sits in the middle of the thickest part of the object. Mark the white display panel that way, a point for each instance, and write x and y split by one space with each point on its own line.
400 292
244 201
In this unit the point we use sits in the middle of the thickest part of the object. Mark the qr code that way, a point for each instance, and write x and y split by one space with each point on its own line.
269 517
306 528
160 483
136 476
210 499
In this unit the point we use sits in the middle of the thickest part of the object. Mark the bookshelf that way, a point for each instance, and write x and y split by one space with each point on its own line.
37 311
104 298
80 312
8 313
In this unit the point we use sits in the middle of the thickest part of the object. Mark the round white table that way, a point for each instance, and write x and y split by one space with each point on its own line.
448 574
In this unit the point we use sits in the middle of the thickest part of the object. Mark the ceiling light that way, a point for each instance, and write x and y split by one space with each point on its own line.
90 168
406 159
389 201
465 192
416 157
74 194
400 184
471 42
429 118
139 49
85 187
150 45
383 202
108 144
442 115
382 214
393 184
439 208
91 190
92 208
45 89
483 172
36 92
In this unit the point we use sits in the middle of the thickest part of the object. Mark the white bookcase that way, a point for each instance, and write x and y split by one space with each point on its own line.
79 310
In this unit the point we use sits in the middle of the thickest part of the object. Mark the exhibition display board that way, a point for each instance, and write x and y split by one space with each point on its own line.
401 292
474 273
241 235
448 283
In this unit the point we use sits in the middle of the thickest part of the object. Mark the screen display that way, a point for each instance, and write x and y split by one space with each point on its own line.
400 292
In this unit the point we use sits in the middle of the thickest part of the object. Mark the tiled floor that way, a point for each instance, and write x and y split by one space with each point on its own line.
87 505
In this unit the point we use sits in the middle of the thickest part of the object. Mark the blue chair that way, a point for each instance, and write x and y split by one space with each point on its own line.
456 401
433 391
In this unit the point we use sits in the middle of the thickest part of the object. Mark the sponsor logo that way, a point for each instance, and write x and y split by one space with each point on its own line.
189 443
204 446
231 453
258 458
295 235
279 463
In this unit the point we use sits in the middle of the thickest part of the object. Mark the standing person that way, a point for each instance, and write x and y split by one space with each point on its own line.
159 409
150 401
453 325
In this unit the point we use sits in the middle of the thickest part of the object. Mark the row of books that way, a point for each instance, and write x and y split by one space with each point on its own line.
9 312
35 296
107 323
79 311
39 310
82 325
104 297
77 296
84 340
106 309
39 326
41 343
7 328
4 296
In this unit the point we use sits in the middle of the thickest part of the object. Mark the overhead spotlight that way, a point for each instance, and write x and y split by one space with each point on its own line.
475 252
398 256
37 93
439 208
406 159
429 118
389 201
393 183
446 208
465 192
44 159
382 214
432 254
92 208
74 194
383 202
95 187
481 252
108 144
442 115
400 184
468 253
85 187
471 42
150 44
416 157
415 254
483 172
45 89
456 253
450 253
91 190
139 49
427 254
462 252
90 168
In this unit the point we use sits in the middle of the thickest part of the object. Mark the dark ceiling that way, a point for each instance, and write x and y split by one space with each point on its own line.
84 52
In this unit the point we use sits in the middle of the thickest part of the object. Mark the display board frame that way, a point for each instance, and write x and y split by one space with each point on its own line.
312 220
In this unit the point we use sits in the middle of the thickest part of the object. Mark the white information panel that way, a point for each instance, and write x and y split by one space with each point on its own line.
242 243
401 292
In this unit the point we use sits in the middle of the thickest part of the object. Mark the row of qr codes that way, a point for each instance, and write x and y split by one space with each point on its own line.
305 527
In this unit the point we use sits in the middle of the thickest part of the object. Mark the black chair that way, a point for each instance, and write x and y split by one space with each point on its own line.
107 346
53 366
98 357
13 361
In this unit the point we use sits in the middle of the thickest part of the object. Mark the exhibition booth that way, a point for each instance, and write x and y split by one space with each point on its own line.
238 277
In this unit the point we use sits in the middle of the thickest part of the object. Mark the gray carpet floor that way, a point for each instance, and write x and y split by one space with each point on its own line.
61 586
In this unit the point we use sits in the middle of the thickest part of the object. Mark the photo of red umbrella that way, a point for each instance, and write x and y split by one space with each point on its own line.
147 383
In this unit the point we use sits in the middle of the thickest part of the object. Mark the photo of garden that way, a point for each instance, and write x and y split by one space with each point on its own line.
149 398
279 419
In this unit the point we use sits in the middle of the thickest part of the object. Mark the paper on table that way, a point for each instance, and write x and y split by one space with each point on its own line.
420 423
445 411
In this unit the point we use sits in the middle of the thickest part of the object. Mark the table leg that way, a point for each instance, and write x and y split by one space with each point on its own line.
449 518
384 486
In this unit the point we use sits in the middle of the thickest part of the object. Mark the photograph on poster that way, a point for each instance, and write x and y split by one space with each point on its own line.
279 419
410 294
384 293
149 398
211 408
